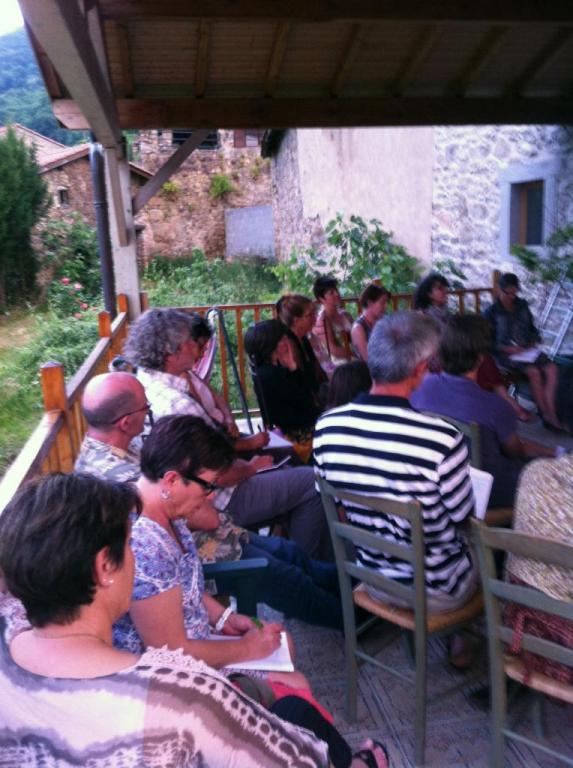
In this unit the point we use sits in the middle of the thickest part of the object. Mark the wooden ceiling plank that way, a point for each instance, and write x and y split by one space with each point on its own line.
95 32
126 87
353 46
202 63
277 57
328 113
475 63
420 49
546 55
168 168
508 11
62 32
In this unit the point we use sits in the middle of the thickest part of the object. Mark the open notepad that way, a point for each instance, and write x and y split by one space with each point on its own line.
278 661
527 356
481 482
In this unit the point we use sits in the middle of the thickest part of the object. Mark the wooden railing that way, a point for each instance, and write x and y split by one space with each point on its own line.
54 444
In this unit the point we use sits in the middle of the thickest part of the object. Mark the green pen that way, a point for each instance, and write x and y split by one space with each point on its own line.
257 622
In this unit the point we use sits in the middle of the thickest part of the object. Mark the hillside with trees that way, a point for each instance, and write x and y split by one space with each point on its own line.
23 97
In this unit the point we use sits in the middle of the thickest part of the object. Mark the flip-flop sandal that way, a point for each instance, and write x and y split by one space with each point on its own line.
367 755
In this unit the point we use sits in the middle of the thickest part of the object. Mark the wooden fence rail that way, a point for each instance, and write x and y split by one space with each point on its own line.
54 444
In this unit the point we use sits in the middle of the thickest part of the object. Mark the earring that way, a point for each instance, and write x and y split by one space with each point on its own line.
164 495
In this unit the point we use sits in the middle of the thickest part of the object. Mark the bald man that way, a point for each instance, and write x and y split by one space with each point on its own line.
115 408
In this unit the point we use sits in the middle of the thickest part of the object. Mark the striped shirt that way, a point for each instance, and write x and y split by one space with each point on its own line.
380 446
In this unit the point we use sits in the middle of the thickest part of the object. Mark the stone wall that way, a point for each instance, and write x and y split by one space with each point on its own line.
470 217
75 177
183 215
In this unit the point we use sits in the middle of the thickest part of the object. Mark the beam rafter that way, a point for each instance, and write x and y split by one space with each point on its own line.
339 112
62 32
202 61
544 57
475 63
419 51
508 11
353 46
277 56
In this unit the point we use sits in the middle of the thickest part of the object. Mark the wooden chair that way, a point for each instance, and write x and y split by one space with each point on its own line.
240 579
502 666
416 620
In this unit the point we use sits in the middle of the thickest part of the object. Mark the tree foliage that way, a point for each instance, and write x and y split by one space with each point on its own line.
23 201
555 263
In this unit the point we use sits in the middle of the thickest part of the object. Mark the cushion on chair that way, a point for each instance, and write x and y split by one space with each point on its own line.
515 669
404 617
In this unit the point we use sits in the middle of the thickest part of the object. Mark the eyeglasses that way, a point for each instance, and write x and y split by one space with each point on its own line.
512 292
207 487
146 407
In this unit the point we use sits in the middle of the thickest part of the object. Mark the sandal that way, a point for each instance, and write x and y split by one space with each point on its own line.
367 756
460 653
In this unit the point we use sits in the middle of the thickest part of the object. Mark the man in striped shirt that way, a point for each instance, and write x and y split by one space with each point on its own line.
379 445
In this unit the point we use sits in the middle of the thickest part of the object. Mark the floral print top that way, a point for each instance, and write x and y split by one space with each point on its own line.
161 565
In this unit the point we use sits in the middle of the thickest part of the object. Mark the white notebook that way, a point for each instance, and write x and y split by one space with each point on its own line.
482 482
277 661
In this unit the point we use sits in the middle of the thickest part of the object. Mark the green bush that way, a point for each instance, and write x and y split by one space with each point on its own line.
555 267
221 185
70 253
362 251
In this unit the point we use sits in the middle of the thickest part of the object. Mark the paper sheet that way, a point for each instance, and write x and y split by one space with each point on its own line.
481 482
527 356
274 466
278 661
276 441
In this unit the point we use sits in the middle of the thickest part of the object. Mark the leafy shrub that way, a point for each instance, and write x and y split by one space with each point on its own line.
171 190
555 267
362 251
70 253
296 275
221 185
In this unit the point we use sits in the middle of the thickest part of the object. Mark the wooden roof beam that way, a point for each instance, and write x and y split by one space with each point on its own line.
277 57
475 63
168 168
508 11
353 46
420 49
62 31
328 113
544 57
51 79
202 63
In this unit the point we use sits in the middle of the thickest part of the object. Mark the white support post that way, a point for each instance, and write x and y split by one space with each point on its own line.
122 228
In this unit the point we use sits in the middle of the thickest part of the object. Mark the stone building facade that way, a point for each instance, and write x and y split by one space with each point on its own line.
185 215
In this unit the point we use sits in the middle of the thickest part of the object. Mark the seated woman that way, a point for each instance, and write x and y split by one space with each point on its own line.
298 314
544 507
331 332
514 332
455 393
373 300
348 381
76 700
288 400
431 298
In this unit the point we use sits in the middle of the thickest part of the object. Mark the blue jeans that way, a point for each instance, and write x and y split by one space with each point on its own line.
294 584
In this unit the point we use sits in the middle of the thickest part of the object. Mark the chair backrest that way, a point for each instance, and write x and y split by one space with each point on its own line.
204 366
471 431
495 590
260 395
348 568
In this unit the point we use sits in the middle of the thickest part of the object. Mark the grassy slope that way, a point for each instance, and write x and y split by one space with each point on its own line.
20 408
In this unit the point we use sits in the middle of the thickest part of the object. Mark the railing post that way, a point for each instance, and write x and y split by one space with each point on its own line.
104 324
122 303
55 399
144 301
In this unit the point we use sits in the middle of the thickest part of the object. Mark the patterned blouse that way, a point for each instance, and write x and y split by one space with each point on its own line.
160 565
168 709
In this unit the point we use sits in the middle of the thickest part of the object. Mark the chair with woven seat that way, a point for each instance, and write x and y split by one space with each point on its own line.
416 620
503 665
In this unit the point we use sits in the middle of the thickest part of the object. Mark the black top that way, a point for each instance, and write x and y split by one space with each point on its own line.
288 400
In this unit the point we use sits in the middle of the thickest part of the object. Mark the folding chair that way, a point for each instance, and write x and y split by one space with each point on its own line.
416 620
495 591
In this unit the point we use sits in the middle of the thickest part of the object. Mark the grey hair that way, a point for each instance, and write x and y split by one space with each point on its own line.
105 414
399 342
156 334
